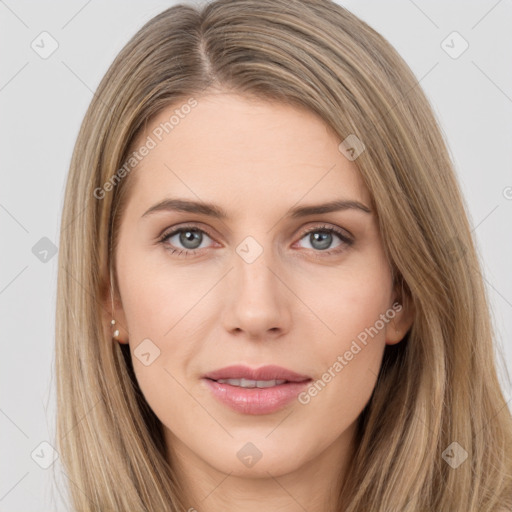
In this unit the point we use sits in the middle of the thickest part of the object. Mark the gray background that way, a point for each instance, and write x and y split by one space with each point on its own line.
42 103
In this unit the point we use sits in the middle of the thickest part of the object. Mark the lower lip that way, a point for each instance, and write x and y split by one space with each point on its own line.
256 400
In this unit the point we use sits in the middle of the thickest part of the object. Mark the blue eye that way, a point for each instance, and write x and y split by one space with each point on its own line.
323 241
191 237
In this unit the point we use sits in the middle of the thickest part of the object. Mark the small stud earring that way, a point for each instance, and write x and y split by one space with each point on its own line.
115 334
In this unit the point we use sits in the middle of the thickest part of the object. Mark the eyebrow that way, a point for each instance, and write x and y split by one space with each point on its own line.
215 211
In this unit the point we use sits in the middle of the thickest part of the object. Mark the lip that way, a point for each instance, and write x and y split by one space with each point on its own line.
256 400
269 372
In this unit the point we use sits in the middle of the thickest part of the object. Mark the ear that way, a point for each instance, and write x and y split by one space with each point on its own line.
404 313
116 313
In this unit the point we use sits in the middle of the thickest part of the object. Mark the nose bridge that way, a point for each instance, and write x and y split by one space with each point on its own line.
256 300
253 261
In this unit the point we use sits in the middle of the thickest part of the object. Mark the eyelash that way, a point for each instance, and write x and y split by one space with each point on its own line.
324 229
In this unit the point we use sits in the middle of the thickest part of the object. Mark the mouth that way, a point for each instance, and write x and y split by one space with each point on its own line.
261 391
249 384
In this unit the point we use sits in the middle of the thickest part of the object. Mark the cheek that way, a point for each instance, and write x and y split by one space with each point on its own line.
349 339
158 294
164 306
348 304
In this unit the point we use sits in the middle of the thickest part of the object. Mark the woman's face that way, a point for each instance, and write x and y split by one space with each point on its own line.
261 286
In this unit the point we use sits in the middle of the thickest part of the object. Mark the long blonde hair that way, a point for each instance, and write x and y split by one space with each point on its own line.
439 386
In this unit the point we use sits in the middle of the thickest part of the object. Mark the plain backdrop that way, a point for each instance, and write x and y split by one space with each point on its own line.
43 101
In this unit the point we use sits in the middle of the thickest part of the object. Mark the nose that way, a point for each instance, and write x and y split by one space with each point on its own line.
258 298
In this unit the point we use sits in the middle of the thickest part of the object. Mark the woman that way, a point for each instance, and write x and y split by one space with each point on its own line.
206 358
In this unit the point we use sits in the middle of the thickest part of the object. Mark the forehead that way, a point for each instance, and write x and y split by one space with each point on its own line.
235 150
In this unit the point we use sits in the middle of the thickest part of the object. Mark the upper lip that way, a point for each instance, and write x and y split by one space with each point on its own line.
270 372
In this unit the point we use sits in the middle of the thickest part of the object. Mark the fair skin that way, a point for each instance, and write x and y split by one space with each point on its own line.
294 306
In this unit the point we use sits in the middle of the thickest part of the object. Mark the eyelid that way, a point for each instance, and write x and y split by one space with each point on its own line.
200 226
320 225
